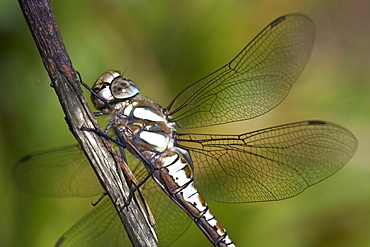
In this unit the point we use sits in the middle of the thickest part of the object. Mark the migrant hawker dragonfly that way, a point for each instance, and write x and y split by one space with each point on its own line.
264 165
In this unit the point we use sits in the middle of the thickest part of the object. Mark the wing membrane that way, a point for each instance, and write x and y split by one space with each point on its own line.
66 172
102 226
254 82
61 172
268 164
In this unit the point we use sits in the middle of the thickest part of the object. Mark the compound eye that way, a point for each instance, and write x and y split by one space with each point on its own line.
122 88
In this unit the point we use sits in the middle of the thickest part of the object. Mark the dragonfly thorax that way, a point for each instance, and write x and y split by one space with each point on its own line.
145 125
140 121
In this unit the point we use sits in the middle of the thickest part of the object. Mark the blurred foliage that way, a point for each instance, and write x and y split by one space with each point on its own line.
164 46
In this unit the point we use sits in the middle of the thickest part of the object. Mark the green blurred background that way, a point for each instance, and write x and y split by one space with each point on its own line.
162 43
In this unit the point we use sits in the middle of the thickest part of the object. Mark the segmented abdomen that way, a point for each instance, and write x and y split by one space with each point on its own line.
175 175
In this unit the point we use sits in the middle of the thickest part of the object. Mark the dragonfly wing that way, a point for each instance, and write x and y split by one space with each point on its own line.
254 82
100 227
61 172
268 164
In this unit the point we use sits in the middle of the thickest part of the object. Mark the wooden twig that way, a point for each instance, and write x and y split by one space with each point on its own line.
102 156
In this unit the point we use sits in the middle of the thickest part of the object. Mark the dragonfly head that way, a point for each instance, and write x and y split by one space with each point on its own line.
112 88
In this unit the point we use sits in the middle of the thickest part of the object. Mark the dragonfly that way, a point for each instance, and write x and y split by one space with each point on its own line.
184 168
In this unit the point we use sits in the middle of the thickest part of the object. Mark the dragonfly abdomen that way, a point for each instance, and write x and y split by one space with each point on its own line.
175 175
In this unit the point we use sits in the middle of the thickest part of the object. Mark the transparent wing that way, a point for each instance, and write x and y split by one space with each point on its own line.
254 82
100 227
268 164
61 172
66 172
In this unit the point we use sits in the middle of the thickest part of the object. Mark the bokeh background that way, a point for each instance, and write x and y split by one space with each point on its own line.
164 46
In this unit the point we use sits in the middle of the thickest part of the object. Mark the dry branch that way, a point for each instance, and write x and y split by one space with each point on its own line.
41 21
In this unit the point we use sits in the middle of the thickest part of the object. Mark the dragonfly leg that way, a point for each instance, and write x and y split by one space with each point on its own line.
122 144
100 133
137 188
99 200
128 174
142 196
